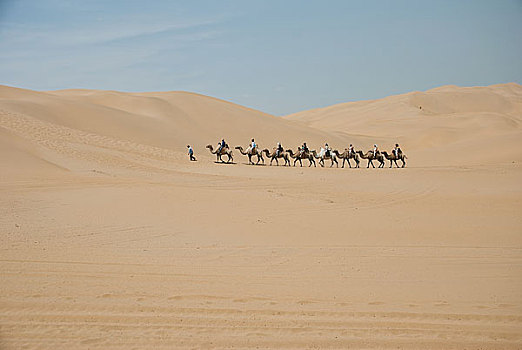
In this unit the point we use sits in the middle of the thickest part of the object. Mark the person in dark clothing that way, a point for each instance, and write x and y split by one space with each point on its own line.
304 148
397 151
279 149
222 145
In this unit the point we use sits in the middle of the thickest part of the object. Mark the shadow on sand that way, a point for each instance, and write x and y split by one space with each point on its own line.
224 163
261 164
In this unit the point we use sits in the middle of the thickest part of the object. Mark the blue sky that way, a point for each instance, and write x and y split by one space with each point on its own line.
277 56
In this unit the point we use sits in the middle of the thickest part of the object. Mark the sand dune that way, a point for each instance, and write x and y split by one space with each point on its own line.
169 120
112 239
448 125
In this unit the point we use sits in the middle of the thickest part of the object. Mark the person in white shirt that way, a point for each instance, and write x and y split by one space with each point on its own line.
350 150
327 150
191 154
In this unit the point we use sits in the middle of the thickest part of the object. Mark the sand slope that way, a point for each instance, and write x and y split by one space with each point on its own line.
168 120
449 125
111 239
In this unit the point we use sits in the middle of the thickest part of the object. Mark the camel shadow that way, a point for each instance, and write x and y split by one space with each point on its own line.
224 163
253 164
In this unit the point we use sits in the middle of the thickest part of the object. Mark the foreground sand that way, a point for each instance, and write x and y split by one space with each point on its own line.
110 241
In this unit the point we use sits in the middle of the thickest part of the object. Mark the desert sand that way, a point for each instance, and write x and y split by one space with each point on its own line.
112 239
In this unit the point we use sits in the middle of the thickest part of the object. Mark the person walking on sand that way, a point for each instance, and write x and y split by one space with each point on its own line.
191 153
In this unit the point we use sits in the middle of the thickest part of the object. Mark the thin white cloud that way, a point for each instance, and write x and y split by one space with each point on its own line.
99 32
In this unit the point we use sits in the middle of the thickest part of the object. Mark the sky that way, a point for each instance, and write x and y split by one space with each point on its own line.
278 56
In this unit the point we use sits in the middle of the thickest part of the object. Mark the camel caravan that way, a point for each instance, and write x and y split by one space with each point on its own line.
304 153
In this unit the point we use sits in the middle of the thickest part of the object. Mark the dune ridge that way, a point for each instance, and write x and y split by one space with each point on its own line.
168 120
450 124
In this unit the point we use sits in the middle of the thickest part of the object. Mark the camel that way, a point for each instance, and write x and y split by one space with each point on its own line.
369 155
298 156
256 152
346 156
393 159
273 155
223 151
322 156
